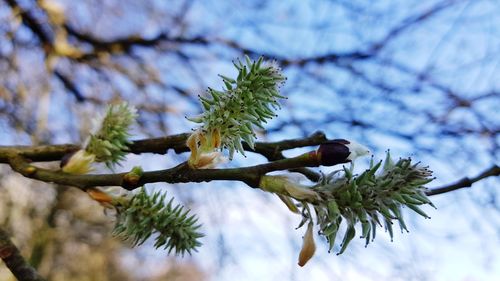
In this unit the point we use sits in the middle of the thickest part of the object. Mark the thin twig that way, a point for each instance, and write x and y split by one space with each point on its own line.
494 171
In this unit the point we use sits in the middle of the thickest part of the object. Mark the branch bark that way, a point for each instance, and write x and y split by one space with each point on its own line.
162 145
13 259
179 174
20 157
493 171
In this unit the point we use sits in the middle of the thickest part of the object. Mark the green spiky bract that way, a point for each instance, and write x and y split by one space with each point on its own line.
247 101
143 215
370 199
110 142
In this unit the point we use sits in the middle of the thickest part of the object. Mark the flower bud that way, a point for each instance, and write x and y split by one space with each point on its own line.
356 150
340 151
78 163
203 146
209 160
100 196
281 184
308 246
132 178
30 170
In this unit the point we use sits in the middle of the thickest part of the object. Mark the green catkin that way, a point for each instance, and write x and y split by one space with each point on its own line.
369 199
143 216
110 141
244 103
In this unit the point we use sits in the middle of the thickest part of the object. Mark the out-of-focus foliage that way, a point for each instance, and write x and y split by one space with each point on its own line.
66 236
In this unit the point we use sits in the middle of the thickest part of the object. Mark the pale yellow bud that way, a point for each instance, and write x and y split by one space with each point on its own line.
203 154
282 184
192 144
300 193
216 139
79 163
209 160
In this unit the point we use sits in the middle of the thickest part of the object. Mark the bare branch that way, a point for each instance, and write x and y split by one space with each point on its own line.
494 171
271 150
70 85
32 23
181 173
19 156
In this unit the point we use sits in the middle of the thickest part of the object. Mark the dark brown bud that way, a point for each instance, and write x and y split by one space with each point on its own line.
334 152
66 158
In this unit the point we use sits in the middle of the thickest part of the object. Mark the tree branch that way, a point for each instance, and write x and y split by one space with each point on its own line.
19 158
181 173
126 43
69 85
43 153
494 171
13 259
45 37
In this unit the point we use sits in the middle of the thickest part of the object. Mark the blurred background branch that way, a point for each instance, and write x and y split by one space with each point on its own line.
14 261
